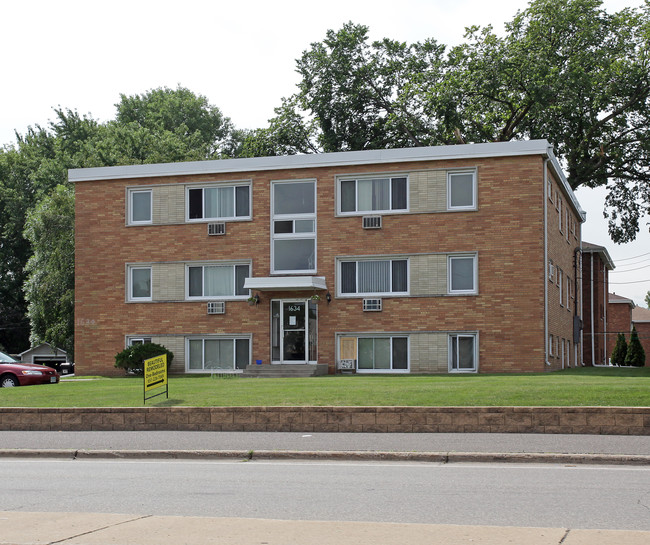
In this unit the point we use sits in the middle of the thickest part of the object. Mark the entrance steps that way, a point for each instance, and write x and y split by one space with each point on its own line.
285 370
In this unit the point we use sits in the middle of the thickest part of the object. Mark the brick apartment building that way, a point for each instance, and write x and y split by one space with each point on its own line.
622 315
596 264
619 320
423 260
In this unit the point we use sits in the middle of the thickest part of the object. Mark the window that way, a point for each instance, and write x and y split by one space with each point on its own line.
381 194
139 340
377 277
550 345
551 271
294 227
217 354
212 281
139 206
140 284
559 215
462 274
218 202
382 354
461 190
568 292
560 284
566 222
462 354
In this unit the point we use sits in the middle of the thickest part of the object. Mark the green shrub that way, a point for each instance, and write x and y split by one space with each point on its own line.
635 354
132 358
620 350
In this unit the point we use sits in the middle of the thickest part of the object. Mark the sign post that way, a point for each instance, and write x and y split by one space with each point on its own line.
155 376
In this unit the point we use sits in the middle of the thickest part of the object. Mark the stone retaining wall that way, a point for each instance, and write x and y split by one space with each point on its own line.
588 420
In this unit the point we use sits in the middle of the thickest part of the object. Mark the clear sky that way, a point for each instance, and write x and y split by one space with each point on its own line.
81 55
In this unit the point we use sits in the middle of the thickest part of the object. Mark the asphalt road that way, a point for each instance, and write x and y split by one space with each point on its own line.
387 442
476 494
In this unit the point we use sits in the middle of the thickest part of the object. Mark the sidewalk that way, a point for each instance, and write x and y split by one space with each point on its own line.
434 447
23 528
18 528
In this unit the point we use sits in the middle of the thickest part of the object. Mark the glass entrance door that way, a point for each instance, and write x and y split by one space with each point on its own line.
293 331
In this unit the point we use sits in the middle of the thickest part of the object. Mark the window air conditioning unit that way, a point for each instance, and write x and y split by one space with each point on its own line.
216 307
216 228
372 305
372 222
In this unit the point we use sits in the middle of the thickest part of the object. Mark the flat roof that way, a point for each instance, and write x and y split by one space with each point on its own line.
342 158
588 247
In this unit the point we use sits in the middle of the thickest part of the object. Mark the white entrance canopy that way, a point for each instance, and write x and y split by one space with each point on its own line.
286 283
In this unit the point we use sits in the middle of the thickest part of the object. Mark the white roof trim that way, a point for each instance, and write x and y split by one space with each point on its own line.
343 158
55 350
286 283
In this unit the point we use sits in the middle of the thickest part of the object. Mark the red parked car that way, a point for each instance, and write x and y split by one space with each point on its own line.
24 374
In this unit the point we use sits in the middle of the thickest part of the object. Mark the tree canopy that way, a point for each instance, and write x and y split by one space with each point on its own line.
565 70
37 205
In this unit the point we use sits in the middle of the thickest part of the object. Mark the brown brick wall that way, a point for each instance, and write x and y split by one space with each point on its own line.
619 320
562 246
587 420
600 308
506 231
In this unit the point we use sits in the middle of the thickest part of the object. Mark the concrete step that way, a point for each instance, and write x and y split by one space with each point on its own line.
286 370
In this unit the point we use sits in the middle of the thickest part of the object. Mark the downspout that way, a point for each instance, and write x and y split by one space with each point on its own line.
578 309
546 347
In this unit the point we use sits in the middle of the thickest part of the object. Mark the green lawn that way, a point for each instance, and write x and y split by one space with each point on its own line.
578 387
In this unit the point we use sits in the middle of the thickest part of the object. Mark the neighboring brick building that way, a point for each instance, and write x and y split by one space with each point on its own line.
426 260
596 264
619 320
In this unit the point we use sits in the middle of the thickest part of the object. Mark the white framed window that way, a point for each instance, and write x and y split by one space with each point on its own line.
139 207
461 190
132 341
139 284
209 354
219 202
293 227
463 353
462 274
373 194
379 354
550 345
566 222
561 286
559 215
551 271
212 281
374 277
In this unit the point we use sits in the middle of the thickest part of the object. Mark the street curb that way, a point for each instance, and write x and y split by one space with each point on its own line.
376 456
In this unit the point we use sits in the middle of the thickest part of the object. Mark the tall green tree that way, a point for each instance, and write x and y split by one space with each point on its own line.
565 70
50 270
162 125
620 350
635 354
